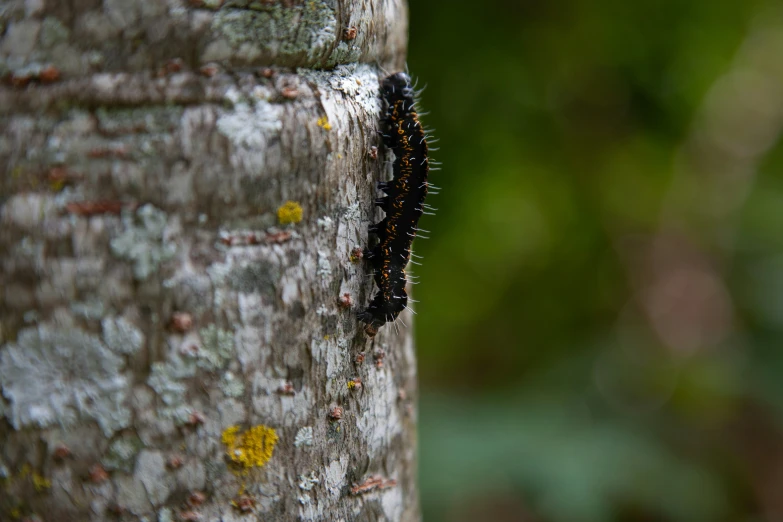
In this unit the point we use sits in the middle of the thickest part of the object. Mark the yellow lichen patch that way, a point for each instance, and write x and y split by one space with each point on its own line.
351 384
229 436
40 482
252 448
25 470
290 212
323 122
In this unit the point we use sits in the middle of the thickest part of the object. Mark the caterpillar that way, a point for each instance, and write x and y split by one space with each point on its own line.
403 203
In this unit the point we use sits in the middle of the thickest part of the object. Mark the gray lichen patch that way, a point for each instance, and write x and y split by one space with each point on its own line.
132 120
53 33
122 454
217 347
393 503
345 52
58 376
304 437
292 33
27 211
166 515
308 482
20 38
280 409
356 82
151 472
324 267
380 422
213 349
260 276
231 385
121 335
334 475
91 310
191 292
166 380
143 241
250 128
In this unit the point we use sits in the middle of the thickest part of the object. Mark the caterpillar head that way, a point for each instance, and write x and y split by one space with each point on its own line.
381 311
397 86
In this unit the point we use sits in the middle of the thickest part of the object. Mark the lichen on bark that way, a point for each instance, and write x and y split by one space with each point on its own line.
152 297
60 376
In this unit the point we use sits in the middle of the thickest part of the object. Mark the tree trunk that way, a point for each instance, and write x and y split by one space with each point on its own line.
178 207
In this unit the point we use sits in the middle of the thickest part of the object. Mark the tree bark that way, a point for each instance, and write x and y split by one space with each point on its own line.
183 183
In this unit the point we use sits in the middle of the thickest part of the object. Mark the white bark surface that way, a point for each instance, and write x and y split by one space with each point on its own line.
151 299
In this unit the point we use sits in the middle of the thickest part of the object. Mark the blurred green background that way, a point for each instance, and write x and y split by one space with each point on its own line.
601 307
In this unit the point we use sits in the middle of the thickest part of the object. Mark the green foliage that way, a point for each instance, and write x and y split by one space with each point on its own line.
566 134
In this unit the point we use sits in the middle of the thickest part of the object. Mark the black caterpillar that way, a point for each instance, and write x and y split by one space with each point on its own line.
403 203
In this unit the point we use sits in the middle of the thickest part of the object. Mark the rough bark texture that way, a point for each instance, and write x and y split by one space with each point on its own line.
161 331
